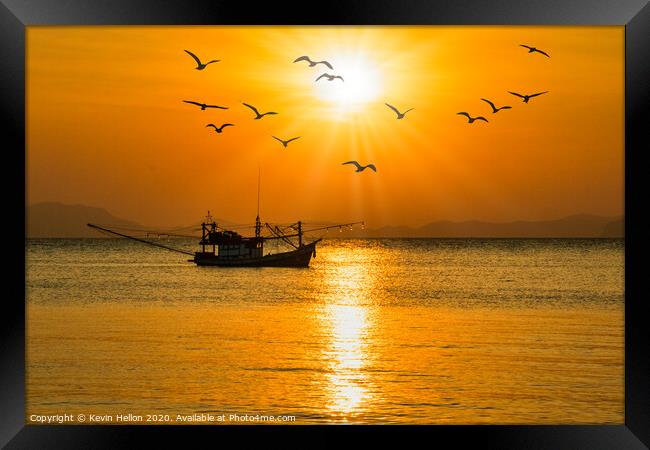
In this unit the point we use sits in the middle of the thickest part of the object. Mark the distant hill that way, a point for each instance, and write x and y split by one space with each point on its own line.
614 229
580 225
50 219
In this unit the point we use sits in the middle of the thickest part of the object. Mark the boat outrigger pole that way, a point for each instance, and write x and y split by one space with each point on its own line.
277 233
155 244
329 227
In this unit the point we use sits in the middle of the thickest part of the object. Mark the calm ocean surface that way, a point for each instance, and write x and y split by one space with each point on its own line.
430 331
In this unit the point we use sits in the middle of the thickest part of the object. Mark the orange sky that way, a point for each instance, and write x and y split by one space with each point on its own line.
106 125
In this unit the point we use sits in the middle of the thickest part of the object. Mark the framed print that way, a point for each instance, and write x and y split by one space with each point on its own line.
244 220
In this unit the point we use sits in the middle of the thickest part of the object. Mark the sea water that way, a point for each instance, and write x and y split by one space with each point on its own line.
432 331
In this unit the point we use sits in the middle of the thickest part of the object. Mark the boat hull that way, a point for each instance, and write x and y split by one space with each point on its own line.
295 258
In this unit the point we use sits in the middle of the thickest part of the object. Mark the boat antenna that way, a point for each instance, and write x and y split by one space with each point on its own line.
258 222
259 176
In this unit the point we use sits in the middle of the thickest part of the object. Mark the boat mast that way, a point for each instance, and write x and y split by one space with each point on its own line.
205 233
258 223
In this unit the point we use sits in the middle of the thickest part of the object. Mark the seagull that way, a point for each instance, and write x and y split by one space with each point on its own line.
494 108
199 64
472 119
527 97
313 63
330 77
203 105
533 49
361 168
258 115
220 129
285 143
399 114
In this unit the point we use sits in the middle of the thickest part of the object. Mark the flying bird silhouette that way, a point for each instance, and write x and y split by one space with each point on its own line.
285 143
257 113
203 105
527 97
494 108
399 114
471 119
330 77
199 64
313 63
533 49
220 129
361 168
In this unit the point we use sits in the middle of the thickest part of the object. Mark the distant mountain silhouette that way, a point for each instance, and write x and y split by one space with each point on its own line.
580 225
51 219
614 229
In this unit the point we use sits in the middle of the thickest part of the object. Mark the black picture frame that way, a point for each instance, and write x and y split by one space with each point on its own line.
16 15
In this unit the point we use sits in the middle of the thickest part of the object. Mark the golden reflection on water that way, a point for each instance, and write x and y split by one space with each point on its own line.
346 320
347 357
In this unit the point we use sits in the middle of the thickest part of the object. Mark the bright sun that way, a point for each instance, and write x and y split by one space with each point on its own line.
362 82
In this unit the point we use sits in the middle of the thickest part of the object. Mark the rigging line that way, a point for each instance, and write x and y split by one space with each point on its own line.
149 231
236 227
118 227
154 232
279 235
172 234
333 226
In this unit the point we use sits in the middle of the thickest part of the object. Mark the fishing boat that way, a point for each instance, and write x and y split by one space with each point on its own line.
227 248
222 247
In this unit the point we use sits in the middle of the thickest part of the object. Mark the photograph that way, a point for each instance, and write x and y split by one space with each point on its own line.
246 225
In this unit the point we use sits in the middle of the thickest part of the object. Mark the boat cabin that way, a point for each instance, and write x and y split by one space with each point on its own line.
229 244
